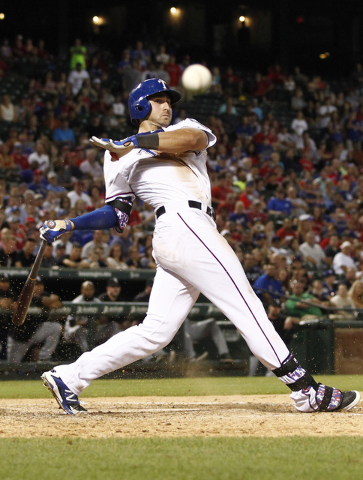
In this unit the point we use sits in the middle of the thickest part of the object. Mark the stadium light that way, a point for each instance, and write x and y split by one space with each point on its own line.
98 20
175 12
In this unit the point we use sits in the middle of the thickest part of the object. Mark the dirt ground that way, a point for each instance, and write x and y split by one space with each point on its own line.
221 416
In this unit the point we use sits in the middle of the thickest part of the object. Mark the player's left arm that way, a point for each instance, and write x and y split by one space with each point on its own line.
175 141
182 140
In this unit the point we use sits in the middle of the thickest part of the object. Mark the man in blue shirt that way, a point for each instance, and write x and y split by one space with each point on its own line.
64 135
279 205
267 286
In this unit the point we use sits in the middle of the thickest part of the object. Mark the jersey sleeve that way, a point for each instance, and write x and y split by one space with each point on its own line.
192 123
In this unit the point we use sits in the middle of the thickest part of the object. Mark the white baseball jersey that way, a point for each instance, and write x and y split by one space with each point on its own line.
177 178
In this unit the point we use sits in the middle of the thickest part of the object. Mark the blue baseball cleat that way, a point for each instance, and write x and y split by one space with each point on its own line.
66 399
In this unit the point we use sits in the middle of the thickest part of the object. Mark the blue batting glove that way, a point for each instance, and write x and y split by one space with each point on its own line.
52 229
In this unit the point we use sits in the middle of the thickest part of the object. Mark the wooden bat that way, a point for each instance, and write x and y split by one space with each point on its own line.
26 294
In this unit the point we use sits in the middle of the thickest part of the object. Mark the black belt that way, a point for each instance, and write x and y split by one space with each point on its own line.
192 204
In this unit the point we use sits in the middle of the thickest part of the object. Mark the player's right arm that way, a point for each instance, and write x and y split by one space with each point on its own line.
113 215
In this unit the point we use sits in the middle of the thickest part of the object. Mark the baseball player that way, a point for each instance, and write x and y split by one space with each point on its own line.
165 166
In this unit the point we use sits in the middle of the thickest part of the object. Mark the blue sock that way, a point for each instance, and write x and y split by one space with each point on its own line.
103 218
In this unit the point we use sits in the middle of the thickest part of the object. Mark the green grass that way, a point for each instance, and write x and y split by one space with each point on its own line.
177 386
182 459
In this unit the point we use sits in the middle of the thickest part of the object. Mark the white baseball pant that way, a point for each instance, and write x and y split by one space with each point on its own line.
192 257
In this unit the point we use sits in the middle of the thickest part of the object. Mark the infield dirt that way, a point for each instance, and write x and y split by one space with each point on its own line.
217 416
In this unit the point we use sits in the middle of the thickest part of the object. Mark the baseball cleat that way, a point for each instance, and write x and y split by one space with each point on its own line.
349 400
66 399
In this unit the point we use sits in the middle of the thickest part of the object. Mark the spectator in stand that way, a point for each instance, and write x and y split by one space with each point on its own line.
64 135
90 167
356 293
354 130
252 270
78 54
26 257
77 77
18 230
350 277
329 283
76 326
331 249
299 303
49 260
97 241
96 258
256 212
74 259
78 194
162 56
287 229
297 100
279 205
248 196
7 303
325 112
198 330
118 106
267 286
59 252
150 72
116 258
38 329
7 247
262 87
299 206
110 325
174 72
131 76
239 215
134 258
344 301
318 291
312 252
7 164
343 260
299 126
53 185
40 156
19 158
220 190
7 109
38 183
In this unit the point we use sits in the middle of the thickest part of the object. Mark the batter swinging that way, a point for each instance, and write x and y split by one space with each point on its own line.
165 166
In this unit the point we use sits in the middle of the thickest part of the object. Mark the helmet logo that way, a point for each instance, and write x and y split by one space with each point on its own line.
165 87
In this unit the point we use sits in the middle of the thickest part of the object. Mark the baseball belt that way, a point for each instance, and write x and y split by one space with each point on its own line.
192 204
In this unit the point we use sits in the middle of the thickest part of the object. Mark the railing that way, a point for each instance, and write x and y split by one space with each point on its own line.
81 273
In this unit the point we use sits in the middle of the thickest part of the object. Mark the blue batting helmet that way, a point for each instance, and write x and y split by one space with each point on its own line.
139 105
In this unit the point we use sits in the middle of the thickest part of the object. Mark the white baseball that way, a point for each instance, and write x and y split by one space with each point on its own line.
196 78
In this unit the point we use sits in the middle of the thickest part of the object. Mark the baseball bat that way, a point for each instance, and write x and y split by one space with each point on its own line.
26 294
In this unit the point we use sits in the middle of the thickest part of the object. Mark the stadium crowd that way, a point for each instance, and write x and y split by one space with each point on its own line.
286 173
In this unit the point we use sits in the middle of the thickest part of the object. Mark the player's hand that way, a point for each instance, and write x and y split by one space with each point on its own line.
53 229
117 148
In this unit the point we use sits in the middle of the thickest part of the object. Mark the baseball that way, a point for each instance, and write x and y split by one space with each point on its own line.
196 78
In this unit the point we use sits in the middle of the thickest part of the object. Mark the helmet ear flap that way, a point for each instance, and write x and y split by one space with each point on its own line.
140 109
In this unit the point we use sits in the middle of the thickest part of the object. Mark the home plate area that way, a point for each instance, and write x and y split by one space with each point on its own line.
207 416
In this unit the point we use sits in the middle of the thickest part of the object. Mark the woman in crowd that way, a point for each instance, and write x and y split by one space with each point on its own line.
356 293
116 258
